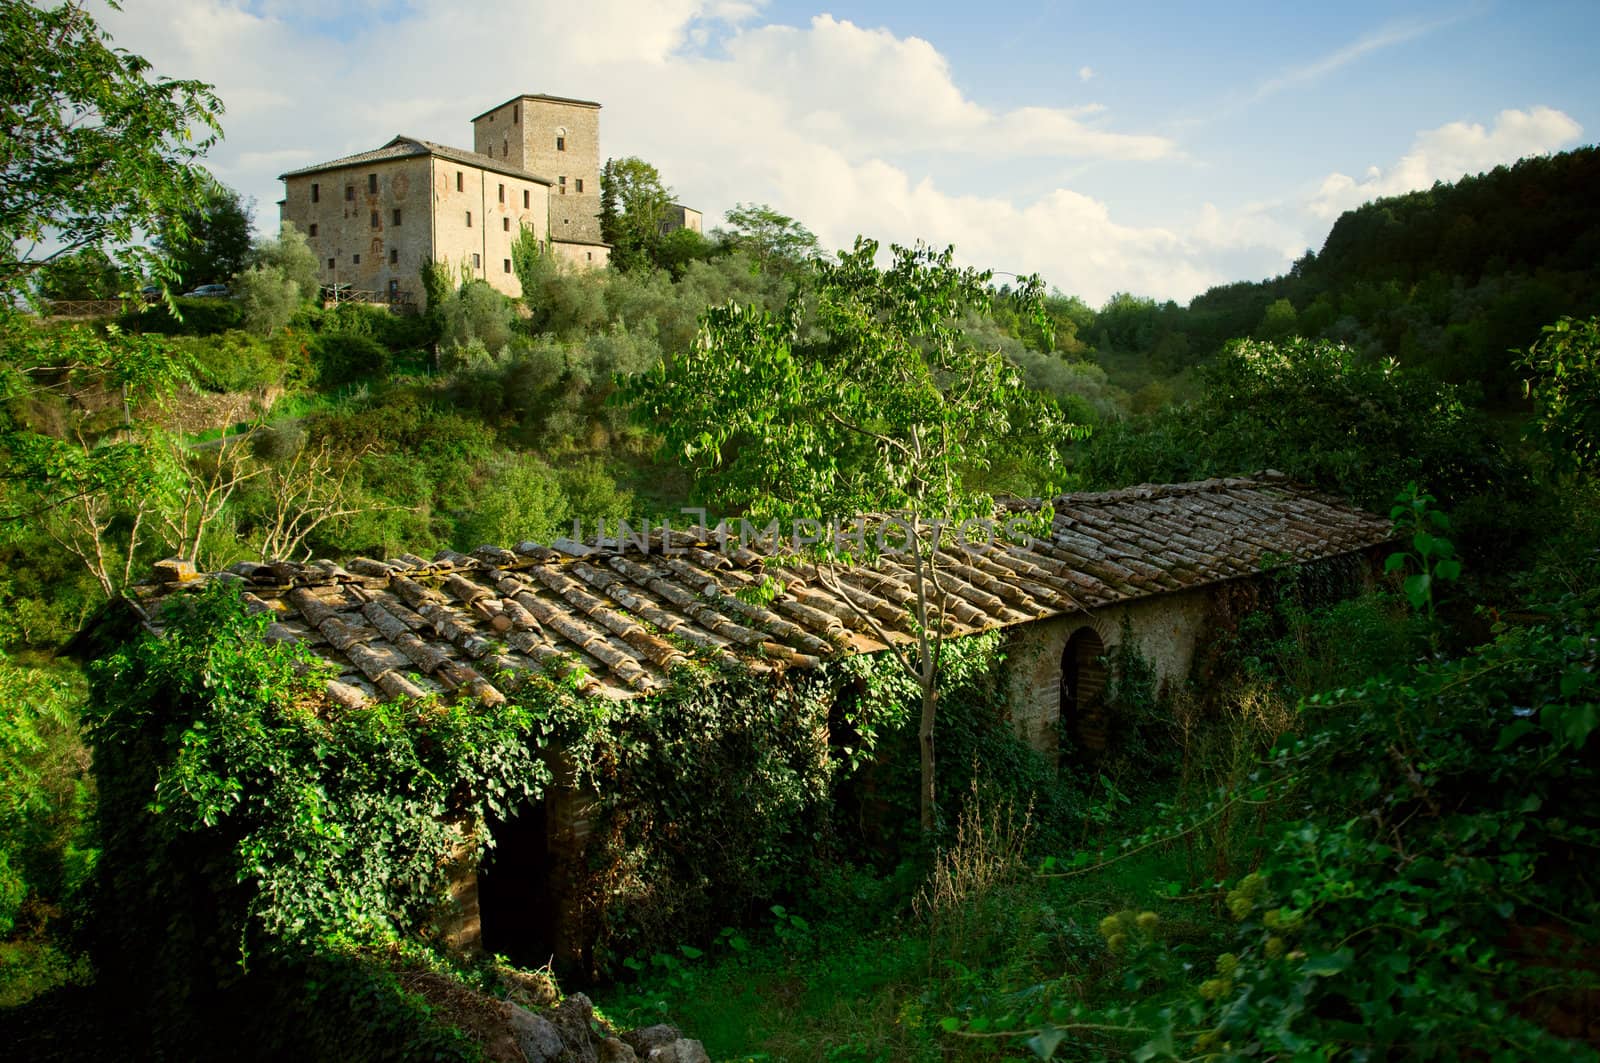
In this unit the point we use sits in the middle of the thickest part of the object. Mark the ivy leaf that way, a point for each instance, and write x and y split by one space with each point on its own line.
1046 1041
1328 963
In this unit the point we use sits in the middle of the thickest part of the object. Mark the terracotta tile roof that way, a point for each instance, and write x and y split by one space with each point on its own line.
402 147
620 617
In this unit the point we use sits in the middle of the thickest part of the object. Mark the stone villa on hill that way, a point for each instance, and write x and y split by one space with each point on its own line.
375 217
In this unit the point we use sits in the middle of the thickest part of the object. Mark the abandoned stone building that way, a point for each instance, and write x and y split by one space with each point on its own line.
1167 566
375 217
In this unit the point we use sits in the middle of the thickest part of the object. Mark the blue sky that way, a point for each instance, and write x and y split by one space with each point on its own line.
1156 148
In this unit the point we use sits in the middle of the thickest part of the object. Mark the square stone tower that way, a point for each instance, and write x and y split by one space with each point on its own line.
556 138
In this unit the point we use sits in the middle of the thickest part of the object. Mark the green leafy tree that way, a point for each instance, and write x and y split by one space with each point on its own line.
1564 380
209 240
774 241
96 150
633 206
892 410
88 274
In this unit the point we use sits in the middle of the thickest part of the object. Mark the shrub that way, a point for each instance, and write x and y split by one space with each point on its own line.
343 358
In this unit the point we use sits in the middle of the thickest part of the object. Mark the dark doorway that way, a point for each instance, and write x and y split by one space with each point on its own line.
514 903
1083 684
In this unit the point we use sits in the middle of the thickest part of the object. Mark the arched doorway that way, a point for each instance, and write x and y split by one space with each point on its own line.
1083 684
514 899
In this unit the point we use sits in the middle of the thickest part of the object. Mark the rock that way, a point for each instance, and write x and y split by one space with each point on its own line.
614 1051
683 1050
536 1035
647 1039
571 1018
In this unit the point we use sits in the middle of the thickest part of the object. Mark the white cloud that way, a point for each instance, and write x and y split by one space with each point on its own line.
1387 37
1449 152
1085 73
850 129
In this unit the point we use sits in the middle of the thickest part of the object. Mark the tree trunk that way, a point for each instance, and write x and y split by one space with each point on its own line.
930 704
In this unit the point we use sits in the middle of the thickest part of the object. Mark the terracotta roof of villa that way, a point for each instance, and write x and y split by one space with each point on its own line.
404 147
619 616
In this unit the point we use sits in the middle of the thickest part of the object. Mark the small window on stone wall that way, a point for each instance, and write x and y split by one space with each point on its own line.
458 180
395 218
505 223
349 193
578 185
375 221
469 219
313 228
562 183
372 182
316 192
515 115
330 263
508 265
561 143
394 256
355 259
476 261
502 193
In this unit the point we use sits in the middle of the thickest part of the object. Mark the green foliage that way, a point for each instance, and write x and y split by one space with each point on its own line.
520 499
1428 557
267 299
1564 370
98 150
633 206
194 317
46 850
475 316
87 274
775 242
240 361
347 357
209 241
1421 899
1318 412
308 832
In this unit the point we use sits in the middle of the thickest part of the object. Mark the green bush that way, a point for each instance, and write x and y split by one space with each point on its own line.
344 358
201 317
239 361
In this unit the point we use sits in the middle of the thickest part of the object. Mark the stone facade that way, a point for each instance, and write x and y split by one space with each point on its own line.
556 137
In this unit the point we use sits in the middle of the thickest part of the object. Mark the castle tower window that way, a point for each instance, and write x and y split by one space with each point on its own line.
394 256
562 182
477 262
505 149
524 199
505 224
316 193
375 221
469 219
561 143
508 265
396 220
313 228
372 182
458 180
579 185
515 116
502 193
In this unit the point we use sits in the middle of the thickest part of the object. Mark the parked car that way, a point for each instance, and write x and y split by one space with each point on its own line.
208 291
150 293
